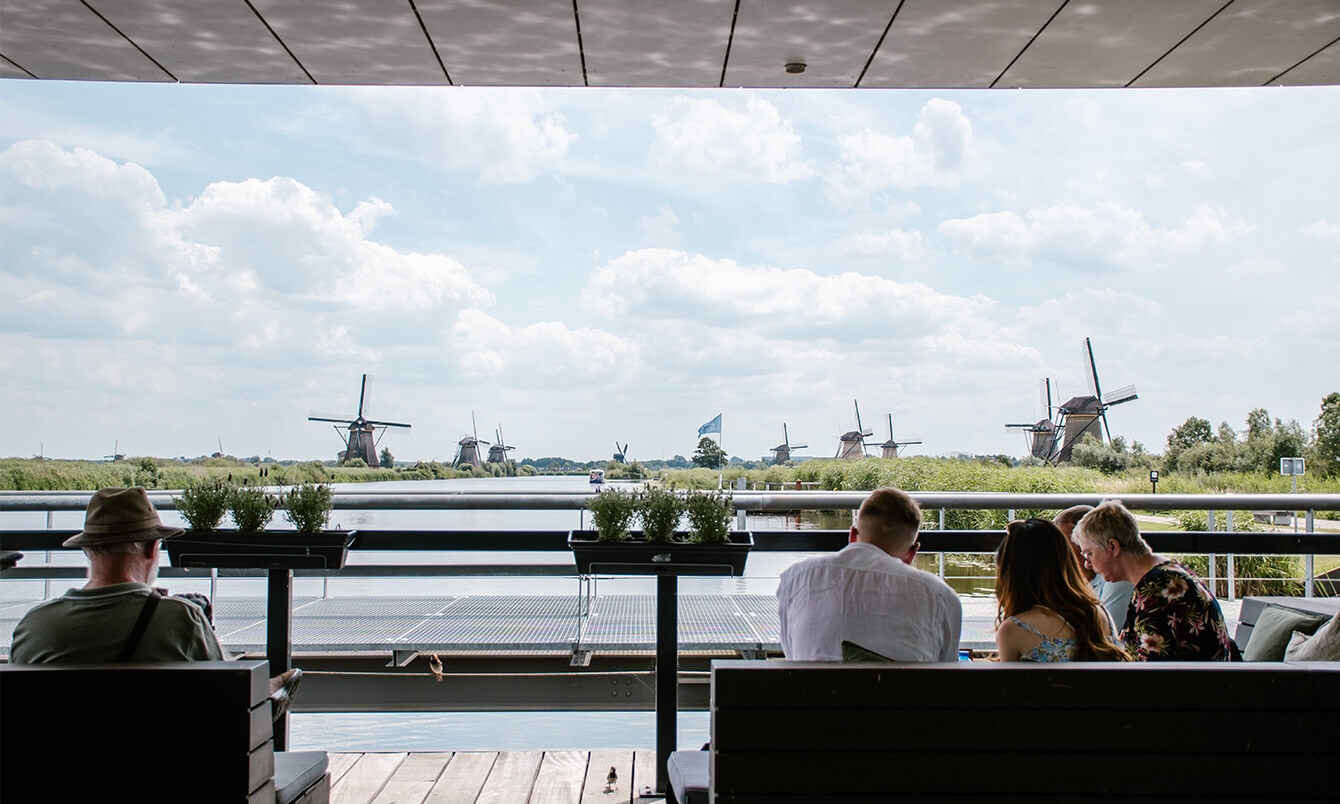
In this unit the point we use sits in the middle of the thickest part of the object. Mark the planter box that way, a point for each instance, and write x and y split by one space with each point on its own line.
278 549
638 557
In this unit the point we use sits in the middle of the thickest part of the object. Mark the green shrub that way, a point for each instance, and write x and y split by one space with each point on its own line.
252 508
709 515
612 511
660 510
308 506
203 502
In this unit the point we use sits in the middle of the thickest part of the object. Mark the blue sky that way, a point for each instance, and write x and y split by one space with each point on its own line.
184 265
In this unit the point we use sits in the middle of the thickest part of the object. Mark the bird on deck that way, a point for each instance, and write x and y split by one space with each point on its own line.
435 664
612 780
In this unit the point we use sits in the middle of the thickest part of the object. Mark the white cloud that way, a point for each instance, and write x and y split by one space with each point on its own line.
1084 238
900 244
1257 266
751 142
508 135
659 229
1324 230
937 152
1195 167
539 354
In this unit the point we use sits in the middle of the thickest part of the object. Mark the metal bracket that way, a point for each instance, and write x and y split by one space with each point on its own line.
580 658
400 658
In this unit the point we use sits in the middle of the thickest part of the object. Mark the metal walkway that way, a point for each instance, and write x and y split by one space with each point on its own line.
519 623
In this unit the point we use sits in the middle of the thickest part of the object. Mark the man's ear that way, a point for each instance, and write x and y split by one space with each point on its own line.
911 553
151 549
852 538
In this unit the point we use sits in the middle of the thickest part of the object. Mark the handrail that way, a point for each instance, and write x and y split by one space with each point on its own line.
749 501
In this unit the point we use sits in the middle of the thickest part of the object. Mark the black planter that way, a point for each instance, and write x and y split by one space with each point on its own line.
639 557
270 549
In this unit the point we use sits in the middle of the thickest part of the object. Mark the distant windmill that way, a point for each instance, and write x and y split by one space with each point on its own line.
1041 434
620 453
782 452
363 437
1053 439
498 452
889 449
467 449
116 453
851 444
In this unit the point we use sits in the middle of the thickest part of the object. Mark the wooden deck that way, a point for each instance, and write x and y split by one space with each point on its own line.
491 777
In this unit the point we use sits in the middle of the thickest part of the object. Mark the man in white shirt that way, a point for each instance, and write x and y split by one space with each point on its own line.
869 593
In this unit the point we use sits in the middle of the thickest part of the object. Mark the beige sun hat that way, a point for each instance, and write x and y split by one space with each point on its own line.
117 515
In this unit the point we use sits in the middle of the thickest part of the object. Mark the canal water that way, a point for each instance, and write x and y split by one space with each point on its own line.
501 730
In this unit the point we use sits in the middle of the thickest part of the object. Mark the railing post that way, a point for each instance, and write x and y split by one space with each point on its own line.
1228 519
667 675
1211 569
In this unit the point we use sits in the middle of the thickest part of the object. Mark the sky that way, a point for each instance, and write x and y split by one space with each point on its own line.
187 267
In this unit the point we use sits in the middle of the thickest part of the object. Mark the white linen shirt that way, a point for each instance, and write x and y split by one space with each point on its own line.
867 596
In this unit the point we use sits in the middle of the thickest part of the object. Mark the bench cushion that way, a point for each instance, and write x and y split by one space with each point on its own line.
1323 646
1270 634
295 771
688 773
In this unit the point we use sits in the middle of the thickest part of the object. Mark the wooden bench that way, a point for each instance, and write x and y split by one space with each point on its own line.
982 731
178 731
1253 606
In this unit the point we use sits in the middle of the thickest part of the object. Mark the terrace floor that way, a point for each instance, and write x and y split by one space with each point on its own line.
504 777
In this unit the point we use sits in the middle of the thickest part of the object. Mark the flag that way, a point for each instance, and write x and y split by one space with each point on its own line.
713 426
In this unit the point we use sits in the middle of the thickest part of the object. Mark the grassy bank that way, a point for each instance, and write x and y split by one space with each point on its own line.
19 474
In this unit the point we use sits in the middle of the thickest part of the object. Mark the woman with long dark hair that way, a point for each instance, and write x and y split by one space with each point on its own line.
1047 611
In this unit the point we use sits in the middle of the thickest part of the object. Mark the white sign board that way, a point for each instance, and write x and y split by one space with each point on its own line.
1291 466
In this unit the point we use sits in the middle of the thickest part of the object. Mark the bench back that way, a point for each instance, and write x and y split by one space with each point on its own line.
178 731
809 731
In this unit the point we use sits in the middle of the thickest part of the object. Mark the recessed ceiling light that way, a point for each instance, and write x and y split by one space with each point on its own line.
795 67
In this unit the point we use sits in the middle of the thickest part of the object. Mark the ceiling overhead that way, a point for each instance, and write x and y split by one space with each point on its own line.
940 44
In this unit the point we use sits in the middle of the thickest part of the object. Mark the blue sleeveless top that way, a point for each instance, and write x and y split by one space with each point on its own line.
1049 650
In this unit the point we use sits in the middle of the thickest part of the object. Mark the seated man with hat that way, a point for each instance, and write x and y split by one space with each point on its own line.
118 616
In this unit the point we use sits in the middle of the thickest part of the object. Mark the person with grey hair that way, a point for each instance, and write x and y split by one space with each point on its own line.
118 615
1172 615
1114 595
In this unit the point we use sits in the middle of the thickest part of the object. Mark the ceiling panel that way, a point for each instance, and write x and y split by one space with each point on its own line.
655 43
1322 69
833 40
355 41
966 44
213 42
62 39
8 70
1248 44
1106 44
505 42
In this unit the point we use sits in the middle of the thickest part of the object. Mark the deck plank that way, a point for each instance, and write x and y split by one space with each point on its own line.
644 770
598 768
414 779
463 778
512 778
339 764
366 778
560 778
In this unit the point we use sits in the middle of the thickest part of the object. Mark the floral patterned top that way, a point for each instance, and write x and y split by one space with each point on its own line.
1174 617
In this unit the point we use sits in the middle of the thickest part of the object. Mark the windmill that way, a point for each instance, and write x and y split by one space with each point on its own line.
467 449
782 452
889 449
116 453
1053 439
1042 433
851 444
620 453
363 437
498 452
1081 414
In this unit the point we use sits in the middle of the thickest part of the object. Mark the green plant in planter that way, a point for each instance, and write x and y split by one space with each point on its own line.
203 502
709 516
612 512
660 510
308 506
252 508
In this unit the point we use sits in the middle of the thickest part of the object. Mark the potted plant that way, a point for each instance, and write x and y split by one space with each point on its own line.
307 506
708 548
203 502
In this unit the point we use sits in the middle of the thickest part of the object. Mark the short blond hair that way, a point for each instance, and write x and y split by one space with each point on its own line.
891 514
1111 520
